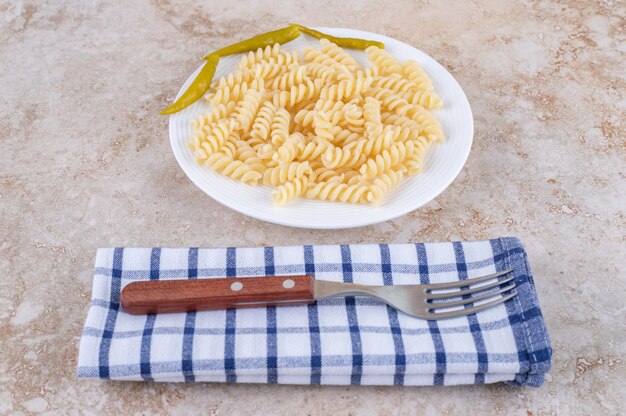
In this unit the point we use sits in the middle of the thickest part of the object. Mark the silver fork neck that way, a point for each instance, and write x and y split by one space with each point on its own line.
324 289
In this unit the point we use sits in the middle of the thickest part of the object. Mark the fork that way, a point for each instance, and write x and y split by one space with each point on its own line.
427 301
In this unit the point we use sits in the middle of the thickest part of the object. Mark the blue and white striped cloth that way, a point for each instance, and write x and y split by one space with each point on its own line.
336 341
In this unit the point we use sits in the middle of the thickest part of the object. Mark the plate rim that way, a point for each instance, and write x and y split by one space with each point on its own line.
366 221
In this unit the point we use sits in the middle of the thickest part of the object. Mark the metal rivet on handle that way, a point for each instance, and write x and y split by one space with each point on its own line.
236 286
288 284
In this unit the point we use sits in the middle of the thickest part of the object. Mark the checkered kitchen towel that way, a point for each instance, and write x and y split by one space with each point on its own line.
336 341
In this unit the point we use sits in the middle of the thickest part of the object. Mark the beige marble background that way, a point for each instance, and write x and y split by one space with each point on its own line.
85 162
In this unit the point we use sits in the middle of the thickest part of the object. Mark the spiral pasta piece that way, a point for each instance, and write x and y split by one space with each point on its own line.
343 137
343 156
352 119
316 56
265 152
231 80
314 149
414 72
268 70
395 84
211 116
246 111
430 125
230 148
333 111
323 72
254 142
385 160
415 162
404 134
289 79
401 121
290 190
383 184
248 155
338 54
371 115
390 101
329 106
383 61
297 93
333 191
280 126
376 143
225 95
241 171
426 99
263 121
346 88
323 126
236 169
323 174
270 54
286 172
303 119
288 151
212 141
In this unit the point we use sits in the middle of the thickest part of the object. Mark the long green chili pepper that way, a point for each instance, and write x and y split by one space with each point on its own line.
202 83
350 43
280 36
198 87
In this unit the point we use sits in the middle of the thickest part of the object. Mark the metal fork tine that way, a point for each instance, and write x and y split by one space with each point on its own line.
466 282
471 299
473 309
468 291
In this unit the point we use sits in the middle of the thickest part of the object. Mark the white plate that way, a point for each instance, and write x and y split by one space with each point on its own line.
443 164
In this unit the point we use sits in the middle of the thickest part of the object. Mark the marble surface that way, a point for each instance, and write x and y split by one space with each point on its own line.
85 162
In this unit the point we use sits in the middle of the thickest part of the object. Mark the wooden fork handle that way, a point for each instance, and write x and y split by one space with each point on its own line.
168 296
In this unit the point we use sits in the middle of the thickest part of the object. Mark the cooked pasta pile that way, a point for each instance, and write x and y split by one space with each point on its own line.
318 125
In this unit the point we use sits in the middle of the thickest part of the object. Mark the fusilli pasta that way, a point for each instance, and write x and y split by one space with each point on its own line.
319 127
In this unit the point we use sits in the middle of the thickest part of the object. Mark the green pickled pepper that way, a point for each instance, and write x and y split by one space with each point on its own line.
350 43
280 36
198 87
202 82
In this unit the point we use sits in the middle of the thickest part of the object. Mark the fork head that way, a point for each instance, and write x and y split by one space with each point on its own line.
434 301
